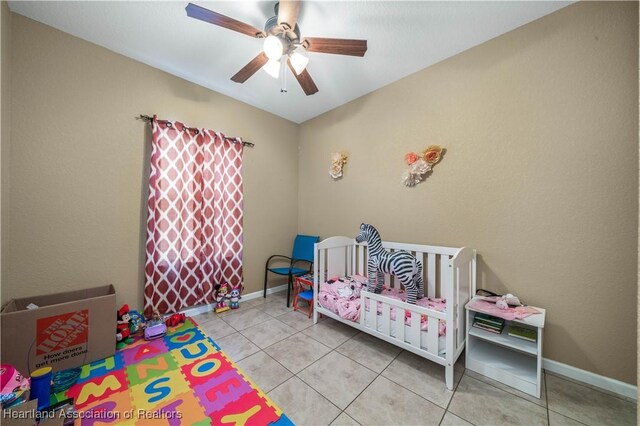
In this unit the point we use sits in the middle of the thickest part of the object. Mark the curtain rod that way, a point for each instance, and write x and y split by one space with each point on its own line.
150 118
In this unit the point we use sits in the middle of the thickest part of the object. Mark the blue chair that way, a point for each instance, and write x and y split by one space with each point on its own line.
302 252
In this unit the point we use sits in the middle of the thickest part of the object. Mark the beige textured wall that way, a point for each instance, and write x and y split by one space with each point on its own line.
80 162
541 173
5 134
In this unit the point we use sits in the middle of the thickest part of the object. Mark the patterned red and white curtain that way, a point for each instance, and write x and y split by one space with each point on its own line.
194 222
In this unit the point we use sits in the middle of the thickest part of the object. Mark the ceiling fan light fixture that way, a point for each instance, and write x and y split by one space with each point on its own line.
299 60
272 67
273 47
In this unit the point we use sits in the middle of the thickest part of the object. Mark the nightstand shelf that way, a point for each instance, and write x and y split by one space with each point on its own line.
504 339
507 359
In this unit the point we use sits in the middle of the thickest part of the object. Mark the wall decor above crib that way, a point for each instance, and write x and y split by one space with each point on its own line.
338 160
421 165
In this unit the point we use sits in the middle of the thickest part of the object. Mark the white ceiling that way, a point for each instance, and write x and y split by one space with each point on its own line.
403 37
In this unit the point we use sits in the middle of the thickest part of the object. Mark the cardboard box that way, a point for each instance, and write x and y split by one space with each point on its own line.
66 330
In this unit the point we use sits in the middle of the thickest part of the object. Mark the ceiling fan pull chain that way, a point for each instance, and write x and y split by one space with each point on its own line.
283 77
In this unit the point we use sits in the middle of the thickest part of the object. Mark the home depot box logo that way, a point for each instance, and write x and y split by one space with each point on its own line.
62 331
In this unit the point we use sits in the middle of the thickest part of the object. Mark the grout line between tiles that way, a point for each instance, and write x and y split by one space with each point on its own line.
367 387
284 338
569 417
453 394
546 396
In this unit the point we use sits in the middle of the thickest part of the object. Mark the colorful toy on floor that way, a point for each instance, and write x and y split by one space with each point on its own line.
41 386
174 320
181 379
234 296
220 295
14 386
63 380
136 323
155 327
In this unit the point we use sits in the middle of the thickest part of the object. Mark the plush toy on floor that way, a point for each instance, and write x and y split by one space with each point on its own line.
122 327
401 264
234 296
220 295
175 319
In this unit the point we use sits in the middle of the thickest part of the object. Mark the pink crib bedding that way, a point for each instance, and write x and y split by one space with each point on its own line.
342 297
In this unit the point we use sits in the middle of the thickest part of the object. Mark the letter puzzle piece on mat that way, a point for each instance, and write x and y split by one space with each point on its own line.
222 389
160 390
182 410
194 351
98 388
178 340
143 351
188 324
205 369
115 408
252 409
150 368
101 367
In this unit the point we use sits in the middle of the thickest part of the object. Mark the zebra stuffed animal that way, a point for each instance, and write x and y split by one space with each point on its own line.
404 266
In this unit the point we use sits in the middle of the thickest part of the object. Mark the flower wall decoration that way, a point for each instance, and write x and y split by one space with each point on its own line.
338 160
421 165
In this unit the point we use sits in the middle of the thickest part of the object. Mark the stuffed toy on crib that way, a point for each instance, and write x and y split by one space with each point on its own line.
401 264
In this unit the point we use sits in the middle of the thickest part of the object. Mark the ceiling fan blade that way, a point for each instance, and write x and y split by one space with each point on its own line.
337 46
288 12
250 69
305 80
206 15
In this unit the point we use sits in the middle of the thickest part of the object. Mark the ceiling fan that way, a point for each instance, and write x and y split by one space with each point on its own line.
282 42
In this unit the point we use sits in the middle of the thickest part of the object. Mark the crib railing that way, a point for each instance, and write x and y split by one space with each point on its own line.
397 332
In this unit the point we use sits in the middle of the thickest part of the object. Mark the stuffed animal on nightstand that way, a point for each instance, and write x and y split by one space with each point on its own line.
502 303
508 300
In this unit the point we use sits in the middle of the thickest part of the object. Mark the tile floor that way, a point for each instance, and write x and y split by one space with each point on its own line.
330 373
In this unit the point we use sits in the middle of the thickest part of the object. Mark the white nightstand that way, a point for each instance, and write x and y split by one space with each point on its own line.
509 360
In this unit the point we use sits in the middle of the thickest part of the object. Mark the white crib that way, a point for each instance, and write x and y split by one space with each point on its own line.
448 273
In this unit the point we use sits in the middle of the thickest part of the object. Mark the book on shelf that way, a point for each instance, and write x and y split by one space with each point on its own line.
487 328
523 333
488 319
489 323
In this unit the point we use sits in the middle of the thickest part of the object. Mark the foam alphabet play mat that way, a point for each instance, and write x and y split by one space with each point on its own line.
181 379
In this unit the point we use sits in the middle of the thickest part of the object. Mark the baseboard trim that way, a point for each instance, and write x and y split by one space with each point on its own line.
256 294
612 385
259 293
